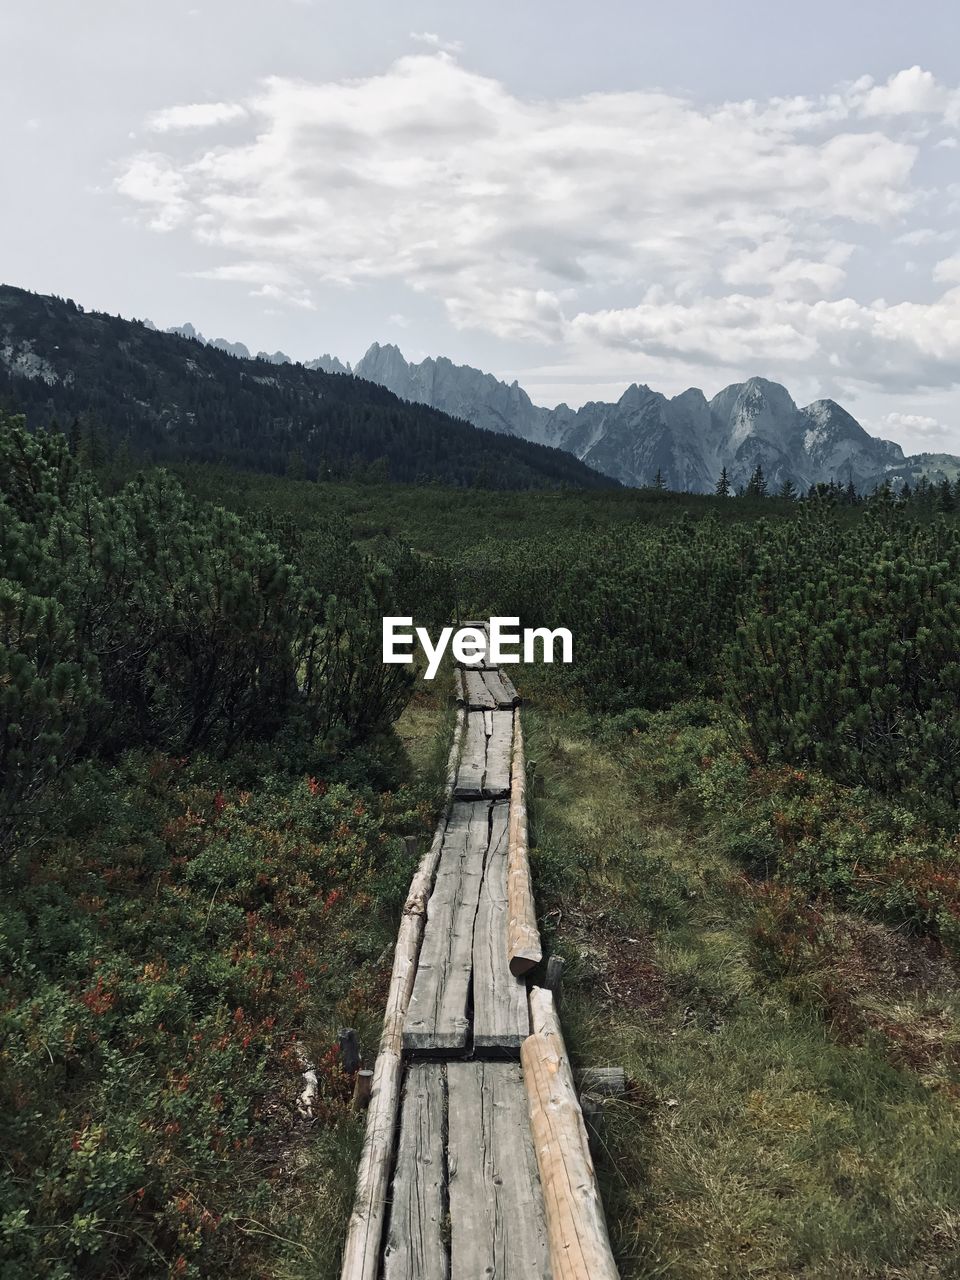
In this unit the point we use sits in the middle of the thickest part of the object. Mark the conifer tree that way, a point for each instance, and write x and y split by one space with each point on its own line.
757 484
722 489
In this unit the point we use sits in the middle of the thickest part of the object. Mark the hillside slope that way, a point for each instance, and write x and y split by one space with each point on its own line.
169 398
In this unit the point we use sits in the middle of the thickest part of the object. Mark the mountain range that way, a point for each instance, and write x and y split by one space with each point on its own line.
324 411
686 439
174 397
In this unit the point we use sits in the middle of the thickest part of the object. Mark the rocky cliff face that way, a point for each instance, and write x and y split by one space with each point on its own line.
478 397
328 364
688 439
325 363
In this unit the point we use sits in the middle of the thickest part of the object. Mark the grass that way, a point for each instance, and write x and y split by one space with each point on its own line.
773 1128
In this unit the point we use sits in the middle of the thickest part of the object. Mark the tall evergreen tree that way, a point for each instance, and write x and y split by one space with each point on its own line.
722 489
757 484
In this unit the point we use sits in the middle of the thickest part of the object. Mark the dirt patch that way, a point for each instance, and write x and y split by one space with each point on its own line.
888 984
884 962
620 968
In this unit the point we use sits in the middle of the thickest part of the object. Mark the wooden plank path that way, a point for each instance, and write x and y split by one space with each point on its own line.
484 772
463 980
489 690
461 1137
466 1199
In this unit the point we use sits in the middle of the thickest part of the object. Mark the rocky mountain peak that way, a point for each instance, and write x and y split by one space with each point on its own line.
688 438
756 407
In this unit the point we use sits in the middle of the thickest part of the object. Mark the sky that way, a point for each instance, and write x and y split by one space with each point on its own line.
576 196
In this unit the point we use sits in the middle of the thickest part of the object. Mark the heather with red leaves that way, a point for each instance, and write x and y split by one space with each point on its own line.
178 942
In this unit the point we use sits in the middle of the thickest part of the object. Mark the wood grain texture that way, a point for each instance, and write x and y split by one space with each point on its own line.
509 688
524 949
497 1218
416 1247
437 1018
499 728
602 1082
484 771
363 1245
576 1228
501 1019
478 696
499 690
473 761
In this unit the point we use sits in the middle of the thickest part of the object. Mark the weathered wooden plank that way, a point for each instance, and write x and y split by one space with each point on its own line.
523 936
496 780
577 1230
437 1017
501 1018
479 696
509 688
497 1218
473 760
361 1259
498 689
363 1246
416 1247
484 771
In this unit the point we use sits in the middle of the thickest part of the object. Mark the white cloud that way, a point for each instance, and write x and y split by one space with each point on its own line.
293 298
912 91
924 235
639 221
917 425
195 115
155 183
433 41
887 346
947 271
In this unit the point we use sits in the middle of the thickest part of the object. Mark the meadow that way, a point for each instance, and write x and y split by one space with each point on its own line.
745 839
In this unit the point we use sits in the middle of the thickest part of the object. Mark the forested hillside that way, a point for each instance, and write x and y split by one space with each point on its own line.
160 397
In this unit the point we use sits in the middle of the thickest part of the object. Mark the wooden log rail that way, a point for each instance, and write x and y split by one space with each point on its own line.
523 936
361 1254
577 1231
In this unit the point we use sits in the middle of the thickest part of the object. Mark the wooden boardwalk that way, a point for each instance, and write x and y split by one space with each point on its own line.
466 1192
464 996
451 1181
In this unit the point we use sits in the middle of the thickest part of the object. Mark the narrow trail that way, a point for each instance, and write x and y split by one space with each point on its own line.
475 1164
